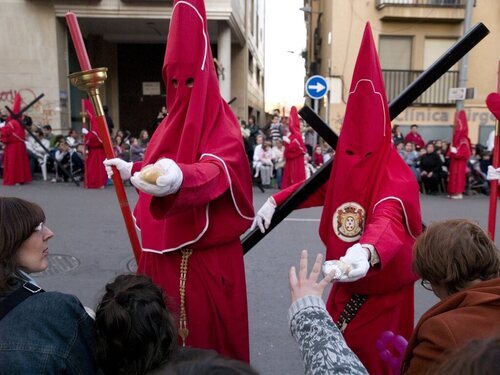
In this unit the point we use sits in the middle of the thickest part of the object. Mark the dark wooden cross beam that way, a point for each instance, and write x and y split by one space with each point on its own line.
398 105
18 116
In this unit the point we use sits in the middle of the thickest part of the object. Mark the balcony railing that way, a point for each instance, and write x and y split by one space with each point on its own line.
423 3
397 80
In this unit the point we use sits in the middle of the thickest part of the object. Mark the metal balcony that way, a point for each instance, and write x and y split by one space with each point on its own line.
422 3
443 11
397 80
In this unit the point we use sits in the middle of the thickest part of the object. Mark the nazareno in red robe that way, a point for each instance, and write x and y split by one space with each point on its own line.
458 160
294 170
96 176
372 198
16 167
214 204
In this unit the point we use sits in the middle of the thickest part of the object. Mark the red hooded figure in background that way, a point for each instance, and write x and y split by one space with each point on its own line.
96 176
370 219
460 152
16 167
295 149
192 218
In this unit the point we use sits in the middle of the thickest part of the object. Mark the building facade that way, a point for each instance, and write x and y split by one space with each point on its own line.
410 35
128 37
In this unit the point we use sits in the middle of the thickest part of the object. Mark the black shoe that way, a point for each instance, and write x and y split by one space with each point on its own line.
261 188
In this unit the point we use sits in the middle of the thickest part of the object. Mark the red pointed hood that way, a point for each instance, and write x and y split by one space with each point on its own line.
461 132
367 169
200 124
16 106
294 126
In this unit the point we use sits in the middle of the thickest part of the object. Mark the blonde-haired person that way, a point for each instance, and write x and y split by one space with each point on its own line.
458 262
40 332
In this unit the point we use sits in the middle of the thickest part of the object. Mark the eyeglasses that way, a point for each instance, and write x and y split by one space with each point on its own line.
39 227
426 284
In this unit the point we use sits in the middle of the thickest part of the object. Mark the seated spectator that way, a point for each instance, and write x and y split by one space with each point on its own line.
400 148
414 137
458 262
40 332
410 156
143 138
135 332
323 347
265 164
318 157
397 135
430 169
63 156
256 162
119 148
136 151
278 160
47 133
37 153
72 137
478 357
328 154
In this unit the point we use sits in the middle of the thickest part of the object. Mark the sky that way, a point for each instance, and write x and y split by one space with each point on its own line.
285 38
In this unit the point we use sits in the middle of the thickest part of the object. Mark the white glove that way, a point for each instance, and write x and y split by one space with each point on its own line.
264 215
85 131
493 174
286 139
357 258
453 150
168 183
125 168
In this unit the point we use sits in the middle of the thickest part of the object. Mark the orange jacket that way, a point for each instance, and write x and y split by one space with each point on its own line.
472 313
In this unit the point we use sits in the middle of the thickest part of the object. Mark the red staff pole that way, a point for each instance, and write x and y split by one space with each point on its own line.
90 80
492 217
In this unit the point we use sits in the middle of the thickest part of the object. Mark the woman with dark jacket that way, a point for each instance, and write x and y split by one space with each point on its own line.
430 169
457 261
40 332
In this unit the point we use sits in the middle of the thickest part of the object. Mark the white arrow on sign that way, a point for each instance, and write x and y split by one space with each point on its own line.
318 87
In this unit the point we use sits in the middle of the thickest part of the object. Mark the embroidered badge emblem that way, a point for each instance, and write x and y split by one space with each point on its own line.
349 221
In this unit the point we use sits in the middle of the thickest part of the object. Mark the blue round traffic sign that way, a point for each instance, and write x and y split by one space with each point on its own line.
316 87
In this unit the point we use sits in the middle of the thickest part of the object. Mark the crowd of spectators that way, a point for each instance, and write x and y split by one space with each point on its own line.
265 146
430 162
69 150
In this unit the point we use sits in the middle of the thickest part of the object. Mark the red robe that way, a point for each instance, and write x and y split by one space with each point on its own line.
371 198
294 170
16 167
458 160
214 204
95 173
94 169
216 302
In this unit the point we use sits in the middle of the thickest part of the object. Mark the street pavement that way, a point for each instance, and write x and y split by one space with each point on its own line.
92 246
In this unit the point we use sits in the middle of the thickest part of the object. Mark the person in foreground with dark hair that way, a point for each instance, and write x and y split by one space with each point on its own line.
134 330
192 361
323 347
457 261
40 332
478 357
